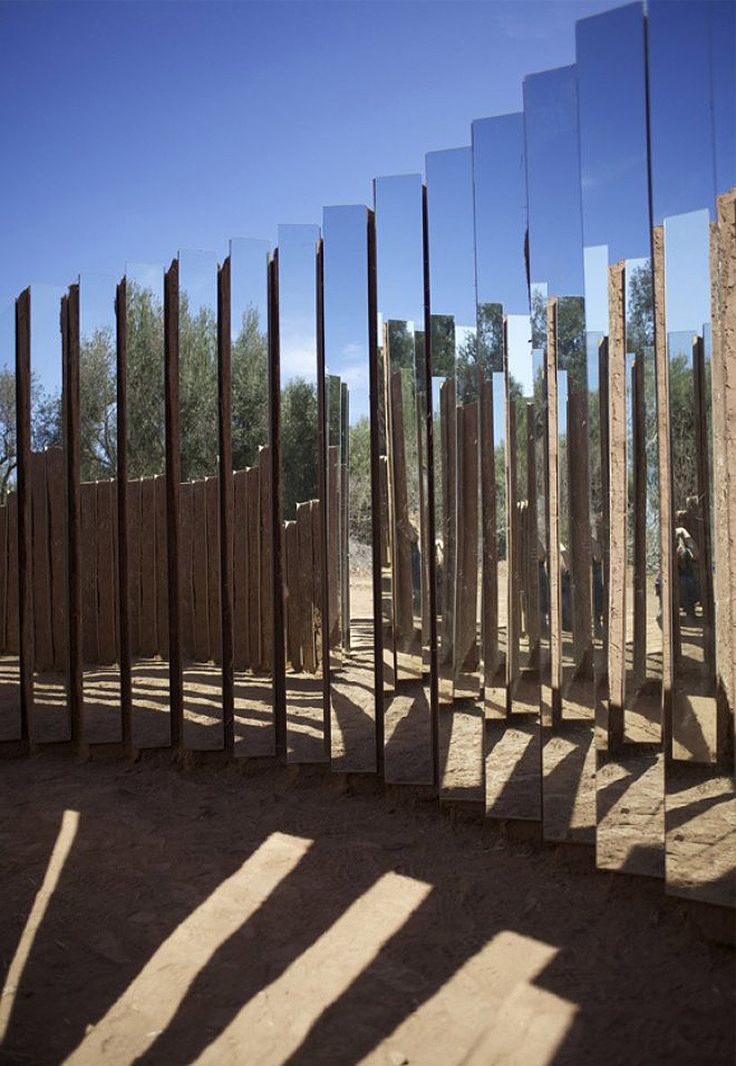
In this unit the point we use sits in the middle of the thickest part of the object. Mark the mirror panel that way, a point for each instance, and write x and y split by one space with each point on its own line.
148 597
301 501
48 478
616 228
98 421
700 795
199 508
556 272
511 423
349 352
455 384
253 643
400 270
10 719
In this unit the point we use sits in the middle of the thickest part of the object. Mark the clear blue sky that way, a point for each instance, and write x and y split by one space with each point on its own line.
131 130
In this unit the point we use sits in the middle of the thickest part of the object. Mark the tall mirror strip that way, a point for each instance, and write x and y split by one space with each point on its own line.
700 806
456 437
252 501
199 511
350 346
512 431
92 304
402 379
556 273
617 243
11 722
301 502
147 554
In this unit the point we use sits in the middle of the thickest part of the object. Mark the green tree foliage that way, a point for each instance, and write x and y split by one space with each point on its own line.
97 406
298 444
360 480
145 383
250 385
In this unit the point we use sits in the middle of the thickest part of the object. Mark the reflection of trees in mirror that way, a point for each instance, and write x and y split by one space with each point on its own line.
250 393
683 430
197 390
145 382
571 349
98 431
443 346
46 429
489 329
539 317
360 480
298 444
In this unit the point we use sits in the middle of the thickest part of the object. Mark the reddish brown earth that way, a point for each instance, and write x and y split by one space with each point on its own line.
227 915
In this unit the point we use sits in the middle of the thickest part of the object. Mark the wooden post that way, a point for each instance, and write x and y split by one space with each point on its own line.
70 479
125 622
26 554
173 484
618 505
225 413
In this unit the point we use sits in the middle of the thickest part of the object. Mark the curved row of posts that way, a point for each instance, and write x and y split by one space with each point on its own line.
442 490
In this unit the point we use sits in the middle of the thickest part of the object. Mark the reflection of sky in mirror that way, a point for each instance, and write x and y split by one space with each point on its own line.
679 105
520 364
553 180
147 276
592 344
297 301
46 335
399 255
561 403
198 279
723 64
96 304
499 411
346 302
687 270
450 214
248 282
613 133
595 267
499 176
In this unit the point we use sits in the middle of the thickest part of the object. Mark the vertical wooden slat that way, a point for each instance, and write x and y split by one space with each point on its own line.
185 571
318 621
72 614
4 578
321 604
24 506
200 605
224 380
106 571
161 557
277 544
173 486
88 527
125 621
240 571
12 631
618 509
266 559
374 388
293 611
41 585
553 556
490 552
138 618
254 551
56 489
432 532
212 498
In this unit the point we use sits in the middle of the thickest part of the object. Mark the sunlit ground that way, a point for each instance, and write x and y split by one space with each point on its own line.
156 916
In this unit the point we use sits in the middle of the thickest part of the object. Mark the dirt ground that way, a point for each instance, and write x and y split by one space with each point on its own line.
214 915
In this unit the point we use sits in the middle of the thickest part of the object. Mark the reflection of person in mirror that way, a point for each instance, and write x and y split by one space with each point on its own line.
439 556
565 588
596 548
686 556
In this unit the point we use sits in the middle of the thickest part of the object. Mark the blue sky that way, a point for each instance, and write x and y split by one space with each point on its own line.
135 129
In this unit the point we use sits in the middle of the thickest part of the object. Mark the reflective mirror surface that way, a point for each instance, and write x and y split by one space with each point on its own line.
407 714
10 722
252 512
199 511
511 427
98 435
148 597
301 476
616 227
349 351
455 385
48 478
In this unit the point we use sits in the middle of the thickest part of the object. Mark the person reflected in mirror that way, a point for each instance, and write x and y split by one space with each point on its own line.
687 556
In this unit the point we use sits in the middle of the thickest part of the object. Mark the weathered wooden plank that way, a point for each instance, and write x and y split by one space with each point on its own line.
254 551
106 629
12 624
265 557
185 571
56 489
90 647
240 571
212 495
293 613
201 624
42 629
